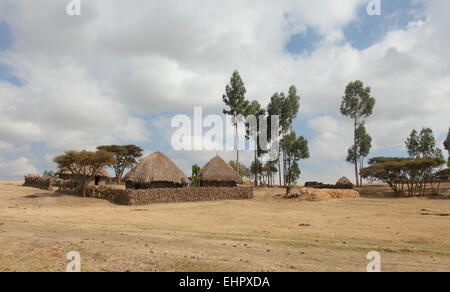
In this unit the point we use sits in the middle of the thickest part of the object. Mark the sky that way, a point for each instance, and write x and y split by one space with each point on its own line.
119 72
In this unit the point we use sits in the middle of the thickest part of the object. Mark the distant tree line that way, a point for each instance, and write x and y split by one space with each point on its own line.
411 174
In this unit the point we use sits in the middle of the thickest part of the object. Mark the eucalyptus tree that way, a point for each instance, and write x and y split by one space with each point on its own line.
235 105
357 104
363 145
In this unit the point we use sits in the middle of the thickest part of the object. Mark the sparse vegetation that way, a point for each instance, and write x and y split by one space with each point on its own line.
48 173
195 175
223 236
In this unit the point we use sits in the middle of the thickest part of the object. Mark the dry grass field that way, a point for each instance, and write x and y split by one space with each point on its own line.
38 229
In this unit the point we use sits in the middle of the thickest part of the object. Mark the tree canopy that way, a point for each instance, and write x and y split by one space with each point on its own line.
397 172
447 147
85 164
126 157
296 149
357 102
244 172
195 175
423 144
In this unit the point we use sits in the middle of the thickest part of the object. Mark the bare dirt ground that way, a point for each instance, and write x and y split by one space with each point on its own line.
38 228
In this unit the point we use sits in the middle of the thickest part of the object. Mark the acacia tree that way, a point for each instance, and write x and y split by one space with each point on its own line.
85 165
447 147
397 172
126 157
236 105
363 145
358 104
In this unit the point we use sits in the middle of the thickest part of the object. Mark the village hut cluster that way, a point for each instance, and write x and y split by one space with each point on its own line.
157 171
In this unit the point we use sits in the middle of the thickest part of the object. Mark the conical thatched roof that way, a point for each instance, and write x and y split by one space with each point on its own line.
344 181
102 172
217 170
156 168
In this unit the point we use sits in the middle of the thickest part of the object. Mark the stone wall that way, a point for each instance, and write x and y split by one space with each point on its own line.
49 183
169 195
144 196
319 185
35 181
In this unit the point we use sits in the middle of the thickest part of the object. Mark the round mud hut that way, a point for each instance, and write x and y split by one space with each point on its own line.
100 179
156 171
344 183
218 173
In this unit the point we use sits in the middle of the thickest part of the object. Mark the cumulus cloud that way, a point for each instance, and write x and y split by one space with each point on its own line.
101 77
16 169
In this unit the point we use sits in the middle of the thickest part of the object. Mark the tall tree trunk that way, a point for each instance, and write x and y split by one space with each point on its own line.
237 149
256 171
279 170
284 168
361 167
356 158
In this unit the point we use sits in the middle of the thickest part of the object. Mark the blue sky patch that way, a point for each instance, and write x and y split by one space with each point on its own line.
7 74
368 30
6 39
303 43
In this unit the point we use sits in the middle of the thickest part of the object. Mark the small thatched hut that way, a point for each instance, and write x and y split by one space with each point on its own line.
156 171
100 179
344 183
218 173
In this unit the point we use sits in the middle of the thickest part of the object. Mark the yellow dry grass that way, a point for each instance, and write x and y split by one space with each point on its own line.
38 229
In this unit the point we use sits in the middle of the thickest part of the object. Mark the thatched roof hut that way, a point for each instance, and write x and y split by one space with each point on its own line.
101 173
100 178
344 183
218 173
156 171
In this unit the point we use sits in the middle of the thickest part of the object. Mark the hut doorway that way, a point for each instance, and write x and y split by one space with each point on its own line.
97 180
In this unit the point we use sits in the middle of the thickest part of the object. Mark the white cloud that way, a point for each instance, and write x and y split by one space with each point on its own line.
333 140
86 77
15 169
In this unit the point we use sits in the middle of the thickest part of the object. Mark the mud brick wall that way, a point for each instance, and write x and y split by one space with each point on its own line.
170 195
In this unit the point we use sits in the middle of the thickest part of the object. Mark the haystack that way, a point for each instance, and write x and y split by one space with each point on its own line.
344 183
218 173
156 171
100 178
322 195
